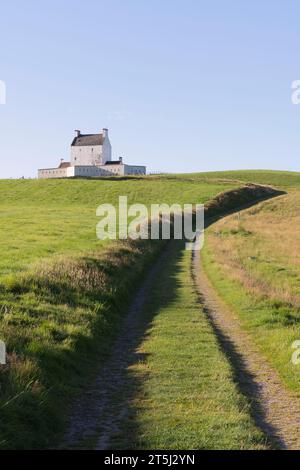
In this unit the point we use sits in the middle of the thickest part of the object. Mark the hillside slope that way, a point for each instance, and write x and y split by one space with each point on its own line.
279 179
253 260
63 293
40 219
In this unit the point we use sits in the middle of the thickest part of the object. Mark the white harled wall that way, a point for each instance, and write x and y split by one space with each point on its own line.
86 155
91 154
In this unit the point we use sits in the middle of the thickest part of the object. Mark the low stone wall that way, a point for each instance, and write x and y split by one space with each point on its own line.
52 173
89 171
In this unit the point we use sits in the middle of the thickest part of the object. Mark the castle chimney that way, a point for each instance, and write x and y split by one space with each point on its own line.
77 132
105 132
121 159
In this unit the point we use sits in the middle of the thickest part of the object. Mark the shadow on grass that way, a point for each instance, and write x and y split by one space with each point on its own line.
58 321
105 416
112 178
243 378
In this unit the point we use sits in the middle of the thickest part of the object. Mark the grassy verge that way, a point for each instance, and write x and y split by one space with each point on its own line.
253 261
184 397
56 321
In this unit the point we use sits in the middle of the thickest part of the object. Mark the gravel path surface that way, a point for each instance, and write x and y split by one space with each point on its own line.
98 412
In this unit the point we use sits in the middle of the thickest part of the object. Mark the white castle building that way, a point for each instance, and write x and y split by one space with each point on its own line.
91 157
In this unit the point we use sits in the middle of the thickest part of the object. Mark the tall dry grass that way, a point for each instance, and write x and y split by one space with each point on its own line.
260 247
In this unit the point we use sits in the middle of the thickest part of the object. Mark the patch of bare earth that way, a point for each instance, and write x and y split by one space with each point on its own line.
275 409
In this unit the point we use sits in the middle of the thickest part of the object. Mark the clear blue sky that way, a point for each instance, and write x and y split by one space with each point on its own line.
182 85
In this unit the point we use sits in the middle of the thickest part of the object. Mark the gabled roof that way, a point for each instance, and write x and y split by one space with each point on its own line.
88 139
64 165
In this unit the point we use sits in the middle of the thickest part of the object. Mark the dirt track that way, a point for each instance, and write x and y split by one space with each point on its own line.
98 412
96 416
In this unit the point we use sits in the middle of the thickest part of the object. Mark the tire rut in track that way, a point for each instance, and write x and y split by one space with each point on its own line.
274 409
97 413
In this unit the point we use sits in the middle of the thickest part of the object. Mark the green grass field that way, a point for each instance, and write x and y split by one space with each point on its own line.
63 292
280 179
40 219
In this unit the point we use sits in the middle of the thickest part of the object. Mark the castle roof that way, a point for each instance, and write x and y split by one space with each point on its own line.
88 139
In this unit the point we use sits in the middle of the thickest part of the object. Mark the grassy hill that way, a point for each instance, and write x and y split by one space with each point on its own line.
47 217
43 218
280 179
63 292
